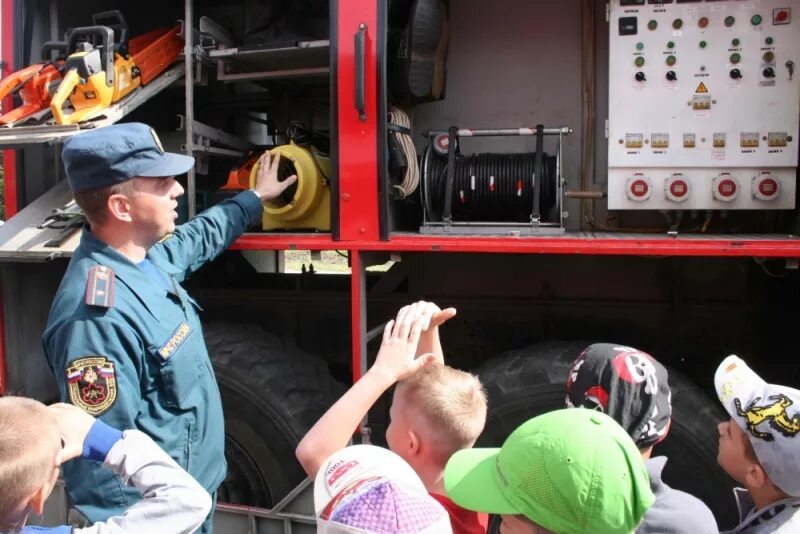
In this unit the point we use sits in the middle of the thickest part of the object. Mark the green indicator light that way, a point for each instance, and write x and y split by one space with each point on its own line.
670 45
677 24
652 25
639 46
639 61
729 21
769 40
735 42
735 58
703 44
756 20
671 60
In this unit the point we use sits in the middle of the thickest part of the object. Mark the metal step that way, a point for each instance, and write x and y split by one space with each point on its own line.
53 133
294 514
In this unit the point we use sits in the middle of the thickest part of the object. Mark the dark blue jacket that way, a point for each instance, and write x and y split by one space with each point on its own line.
132 353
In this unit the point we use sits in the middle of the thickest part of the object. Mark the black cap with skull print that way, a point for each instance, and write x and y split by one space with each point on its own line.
626 384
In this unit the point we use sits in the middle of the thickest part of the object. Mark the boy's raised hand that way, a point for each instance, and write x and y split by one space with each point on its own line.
74 425
396 357
432 316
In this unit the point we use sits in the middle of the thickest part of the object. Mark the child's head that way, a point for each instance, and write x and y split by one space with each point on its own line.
364 489
626 384
436 412
760 446
30 446
566 471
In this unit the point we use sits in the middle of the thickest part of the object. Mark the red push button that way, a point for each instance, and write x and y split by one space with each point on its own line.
781 15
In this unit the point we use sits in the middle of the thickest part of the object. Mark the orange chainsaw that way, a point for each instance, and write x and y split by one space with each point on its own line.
99 75
34 85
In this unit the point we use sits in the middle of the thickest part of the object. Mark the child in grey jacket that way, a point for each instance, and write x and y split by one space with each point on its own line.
36 439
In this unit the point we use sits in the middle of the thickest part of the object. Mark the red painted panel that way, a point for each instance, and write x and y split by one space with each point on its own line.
9 162
9 156
358 151
355 315
733 246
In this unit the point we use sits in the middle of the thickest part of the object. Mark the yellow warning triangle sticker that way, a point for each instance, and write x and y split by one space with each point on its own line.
701 88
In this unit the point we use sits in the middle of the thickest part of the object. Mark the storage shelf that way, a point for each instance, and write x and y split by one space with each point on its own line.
307 59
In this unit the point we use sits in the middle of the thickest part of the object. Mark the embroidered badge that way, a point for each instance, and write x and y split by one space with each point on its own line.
100 287
92 384
175 341
774 414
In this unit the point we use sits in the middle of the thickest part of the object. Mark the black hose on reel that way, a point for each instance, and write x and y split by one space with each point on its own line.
489 187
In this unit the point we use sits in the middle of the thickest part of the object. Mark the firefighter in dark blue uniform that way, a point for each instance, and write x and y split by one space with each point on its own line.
124 339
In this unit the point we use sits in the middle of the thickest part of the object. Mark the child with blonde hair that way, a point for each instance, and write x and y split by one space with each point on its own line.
436 410
36 439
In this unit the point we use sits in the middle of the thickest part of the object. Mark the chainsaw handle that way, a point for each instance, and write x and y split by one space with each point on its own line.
49 46
115 20
70 81
107 35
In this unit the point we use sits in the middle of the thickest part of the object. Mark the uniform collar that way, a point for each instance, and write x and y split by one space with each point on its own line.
148 292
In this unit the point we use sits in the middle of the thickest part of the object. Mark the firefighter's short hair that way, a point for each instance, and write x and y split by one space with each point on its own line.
450 403
94 202
29 447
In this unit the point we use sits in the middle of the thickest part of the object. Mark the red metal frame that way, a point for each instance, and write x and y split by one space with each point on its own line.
9 163
623 246
9 156
356 327
358 151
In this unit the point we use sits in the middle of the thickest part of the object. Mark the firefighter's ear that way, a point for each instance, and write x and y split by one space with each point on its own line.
119 207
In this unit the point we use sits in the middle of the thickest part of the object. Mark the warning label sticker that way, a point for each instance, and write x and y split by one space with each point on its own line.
701 88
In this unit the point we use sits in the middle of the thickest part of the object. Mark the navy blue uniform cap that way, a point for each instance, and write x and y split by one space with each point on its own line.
117 153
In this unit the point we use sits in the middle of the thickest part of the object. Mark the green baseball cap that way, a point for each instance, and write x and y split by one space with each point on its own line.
570 471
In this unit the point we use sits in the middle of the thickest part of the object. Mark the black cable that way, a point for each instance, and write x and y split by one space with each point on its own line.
490 187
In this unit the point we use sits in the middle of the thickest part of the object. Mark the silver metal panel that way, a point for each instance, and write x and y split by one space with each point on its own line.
21 240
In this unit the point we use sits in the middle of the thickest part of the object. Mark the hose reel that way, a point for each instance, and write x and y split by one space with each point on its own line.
486 193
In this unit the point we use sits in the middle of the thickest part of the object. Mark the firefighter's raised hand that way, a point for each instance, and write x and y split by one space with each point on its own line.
74 425
396 358
267 184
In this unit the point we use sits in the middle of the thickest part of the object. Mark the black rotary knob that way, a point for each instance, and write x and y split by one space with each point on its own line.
736 74
769 72
671 76
640 77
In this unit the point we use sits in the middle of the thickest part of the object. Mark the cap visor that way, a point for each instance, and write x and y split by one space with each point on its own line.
170 165
470 482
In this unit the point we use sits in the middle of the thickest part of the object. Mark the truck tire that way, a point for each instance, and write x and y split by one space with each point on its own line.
272 393
527 382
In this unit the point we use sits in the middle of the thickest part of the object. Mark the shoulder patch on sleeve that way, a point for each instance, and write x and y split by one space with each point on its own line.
92 384
100 287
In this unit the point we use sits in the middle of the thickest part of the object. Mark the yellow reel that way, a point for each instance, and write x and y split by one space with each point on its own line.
305 205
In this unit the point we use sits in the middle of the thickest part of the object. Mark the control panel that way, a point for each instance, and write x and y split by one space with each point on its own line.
704 104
